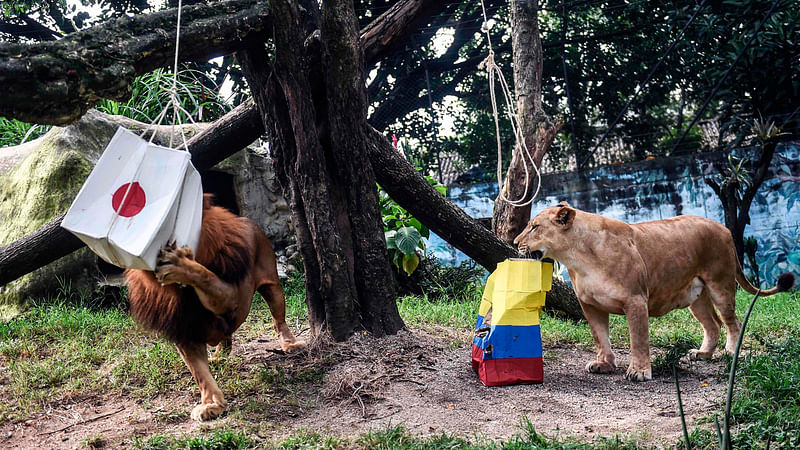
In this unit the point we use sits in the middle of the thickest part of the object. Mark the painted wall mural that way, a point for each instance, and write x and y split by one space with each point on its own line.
663 188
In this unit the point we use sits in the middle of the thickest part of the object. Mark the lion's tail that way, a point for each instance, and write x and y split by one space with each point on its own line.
785 282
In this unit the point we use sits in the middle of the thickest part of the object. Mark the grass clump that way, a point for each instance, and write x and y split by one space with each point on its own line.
766 406
217 440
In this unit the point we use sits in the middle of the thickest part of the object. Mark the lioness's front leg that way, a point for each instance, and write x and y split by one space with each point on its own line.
177 265
598 324
212 402
637 313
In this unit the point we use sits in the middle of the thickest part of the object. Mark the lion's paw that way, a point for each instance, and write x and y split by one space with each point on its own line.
207 411
168 265
600 367
697 355
638 374
292 346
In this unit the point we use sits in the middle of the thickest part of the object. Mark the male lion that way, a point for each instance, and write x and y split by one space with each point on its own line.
201 301
641 270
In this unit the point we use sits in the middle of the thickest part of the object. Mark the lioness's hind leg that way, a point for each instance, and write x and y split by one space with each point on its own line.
704 312
276 301
212 402
723 295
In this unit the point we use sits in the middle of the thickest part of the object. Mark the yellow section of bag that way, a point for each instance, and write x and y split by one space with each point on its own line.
515 291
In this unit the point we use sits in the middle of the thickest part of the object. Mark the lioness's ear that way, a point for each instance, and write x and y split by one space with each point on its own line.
564 217
562 203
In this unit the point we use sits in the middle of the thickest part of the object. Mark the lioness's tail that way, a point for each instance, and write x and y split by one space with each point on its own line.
785 282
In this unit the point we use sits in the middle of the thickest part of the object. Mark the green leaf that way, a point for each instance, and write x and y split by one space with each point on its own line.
425 232
407 239
410 263
416 224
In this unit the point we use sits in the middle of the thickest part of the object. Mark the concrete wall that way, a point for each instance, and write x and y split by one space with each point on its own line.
663 188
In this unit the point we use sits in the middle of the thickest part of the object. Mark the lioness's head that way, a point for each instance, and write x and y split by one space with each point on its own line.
547 234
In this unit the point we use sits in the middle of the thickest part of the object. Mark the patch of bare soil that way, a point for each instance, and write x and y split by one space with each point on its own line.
413 378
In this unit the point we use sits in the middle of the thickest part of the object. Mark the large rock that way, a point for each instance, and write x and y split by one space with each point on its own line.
39 180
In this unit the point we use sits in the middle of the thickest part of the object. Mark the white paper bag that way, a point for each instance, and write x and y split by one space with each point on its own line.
139 197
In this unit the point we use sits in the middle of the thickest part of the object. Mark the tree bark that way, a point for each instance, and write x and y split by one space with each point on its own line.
320 97
381 36
538 131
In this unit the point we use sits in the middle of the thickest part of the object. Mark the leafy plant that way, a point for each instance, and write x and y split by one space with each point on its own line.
14 132
403 232
150 94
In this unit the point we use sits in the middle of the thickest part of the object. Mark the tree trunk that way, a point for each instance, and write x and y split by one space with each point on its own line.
736 212
320 97
537 130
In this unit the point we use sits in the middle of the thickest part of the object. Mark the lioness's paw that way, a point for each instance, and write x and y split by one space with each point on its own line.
638 374
600 367
697 355
207 411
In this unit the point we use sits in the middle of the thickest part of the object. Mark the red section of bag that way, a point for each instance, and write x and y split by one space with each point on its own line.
501 372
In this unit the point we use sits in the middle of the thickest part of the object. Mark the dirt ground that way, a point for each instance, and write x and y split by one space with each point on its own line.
416 378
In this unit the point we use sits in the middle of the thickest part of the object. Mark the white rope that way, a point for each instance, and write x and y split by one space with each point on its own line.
173 96
492 70
176 109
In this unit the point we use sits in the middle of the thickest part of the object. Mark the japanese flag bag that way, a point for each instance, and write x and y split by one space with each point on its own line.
139 197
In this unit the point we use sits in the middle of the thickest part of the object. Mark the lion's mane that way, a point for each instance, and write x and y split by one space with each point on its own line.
175 312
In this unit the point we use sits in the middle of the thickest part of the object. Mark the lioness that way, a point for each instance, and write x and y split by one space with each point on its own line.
641 270
202 300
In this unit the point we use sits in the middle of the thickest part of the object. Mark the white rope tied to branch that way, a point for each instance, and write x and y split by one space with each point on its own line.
492 70
176 110
173 102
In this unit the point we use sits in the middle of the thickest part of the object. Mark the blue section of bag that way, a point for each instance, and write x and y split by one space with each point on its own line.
509 341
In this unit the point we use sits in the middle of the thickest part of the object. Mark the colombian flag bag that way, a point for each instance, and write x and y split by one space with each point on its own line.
507 347
139 197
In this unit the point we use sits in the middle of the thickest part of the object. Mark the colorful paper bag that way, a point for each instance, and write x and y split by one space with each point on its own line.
507 347
139 197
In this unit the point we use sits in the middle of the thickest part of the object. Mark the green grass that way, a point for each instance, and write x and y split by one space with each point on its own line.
396 437
773 319
71 346
766 401
217 440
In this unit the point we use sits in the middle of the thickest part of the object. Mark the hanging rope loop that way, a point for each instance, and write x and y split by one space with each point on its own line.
493 71
176 110
173 102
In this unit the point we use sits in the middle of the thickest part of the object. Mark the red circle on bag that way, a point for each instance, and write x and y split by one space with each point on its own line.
134 201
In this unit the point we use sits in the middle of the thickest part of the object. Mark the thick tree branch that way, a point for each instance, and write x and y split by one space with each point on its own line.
409 189
391 29
31 30
57 82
